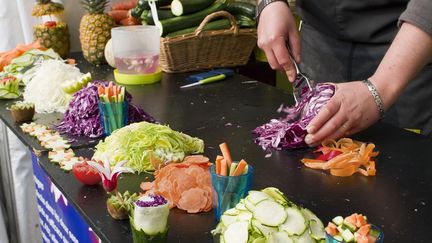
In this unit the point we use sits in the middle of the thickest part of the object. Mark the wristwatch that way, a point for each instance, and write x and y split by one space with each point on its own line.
264 3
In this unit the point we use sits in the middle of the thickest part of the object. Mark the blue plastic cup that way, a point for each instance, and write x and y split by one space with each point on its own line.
113 115
379 239
228 190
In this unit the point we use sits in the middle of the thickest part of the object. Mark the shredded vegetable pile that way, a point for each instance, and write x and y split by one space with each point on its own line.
44 89
82 116
147 146
345 157
290 131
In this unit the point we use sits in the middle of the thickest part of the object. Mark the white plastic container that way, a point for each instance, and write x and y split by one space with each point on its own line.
136 49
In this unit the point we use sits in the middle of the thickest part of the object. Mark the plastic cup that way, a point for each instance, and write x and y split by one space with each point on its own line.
136 49
380 238
113 115
228 190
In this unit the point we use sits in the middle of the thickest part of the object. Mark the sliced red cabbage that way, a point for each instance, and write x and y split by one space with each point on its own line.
82 116
290 131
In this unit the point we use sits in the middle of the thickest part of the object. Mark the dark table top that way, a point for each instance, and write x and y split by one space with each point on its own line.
398 199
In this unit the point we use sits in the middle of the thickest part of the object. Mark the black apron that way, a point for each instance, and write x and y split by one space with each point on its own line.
337 48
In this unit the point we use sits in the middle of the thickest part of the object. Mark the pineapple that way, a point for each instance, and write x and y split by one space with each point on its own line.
51 34
95 30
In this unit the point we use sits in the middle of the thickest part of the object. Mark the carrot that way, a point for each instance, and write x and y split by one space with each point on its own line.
125 5
118 15
240 167
331 229
224 168
348 171
226 153
101 90
218 167
361 221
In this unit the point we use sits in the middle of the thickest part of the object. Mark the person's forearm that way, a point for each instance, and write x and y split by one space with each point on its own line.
410 51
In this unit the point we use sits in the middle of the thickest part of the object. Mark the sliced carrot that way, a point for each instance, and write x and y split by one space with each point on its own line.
224 168
226 153
348 171
364 229
218 167
240 167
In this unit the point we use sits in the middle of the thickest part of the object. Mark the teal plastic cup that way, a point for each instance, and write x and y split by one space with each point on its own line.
228 190
113 115
379 239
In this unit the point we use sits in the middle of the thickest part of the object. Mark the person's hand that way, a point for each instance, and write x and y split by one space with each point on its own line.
350 110
276 30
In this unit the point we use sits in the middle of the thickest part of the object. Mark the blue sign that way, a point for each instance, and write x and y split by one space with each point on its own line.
60 222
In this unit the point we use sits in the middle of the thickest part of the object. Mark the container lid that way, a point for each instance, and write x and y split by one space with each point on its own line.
137 79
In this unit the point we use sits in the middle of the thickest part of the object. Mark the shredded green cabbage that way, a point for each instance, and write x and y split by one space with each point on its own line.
139 143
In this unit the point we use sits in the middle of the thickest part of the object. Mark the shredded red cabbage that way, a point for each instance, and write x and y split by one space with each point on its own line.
82 116
290 131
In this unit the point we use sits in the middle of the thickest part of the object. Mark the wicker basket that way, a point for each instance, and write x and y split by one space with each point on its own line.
208 49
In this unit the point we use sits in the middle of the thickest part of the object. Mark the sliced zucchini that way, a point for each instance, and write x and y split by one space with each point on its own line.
295 224
182 7
338 237
232 212
277 195
315 224
240 206
237 232
347 236
349 225
227 220
304 238
257 196
270 213
264 230
279 237
245 216
249 205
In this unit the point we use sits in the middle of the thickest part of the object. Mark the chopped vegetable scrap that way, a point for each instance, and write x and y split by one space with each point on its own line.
59 153
82 117
225 165
268 216
344 158
353 228
185 185
290 131
7 57
148 146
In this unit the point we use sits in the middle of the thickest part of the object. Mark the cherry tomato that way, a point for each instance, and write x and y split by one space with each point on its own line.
85 173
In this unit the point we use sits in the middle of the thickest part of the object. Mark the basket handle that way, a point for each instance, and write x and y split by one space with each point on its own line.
208 18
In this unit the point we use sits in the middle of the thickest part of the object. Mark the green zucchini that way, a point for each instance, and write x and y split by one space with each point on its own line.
147 17
143 4
245 22
213 25
241 8
181 22
182 7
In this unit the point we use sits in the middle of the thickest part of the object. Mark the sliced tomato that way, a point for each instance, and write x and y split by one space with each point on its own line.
85 173
50 24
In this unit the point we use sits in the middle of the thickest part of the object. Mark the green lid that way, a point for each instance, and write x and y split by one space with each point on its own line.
137 79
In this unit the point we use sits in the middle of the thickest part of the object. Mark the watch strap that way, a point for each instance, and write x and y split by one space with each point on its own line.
264 3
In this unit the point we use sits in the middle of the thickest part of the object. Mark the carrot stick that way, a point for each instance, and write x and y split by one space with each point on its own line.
224 167
100 90
218 167
226 153
240 167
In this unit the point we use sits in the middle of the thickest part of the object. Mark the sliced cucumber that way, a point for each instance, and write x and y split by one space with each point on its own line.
227 220
232 168
279 237
338 220
237 232
264 230
295 224
315 224
240 206
257 196
349 226
270 213
245 216
304 238
338 238
277 195
232 212
347 236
